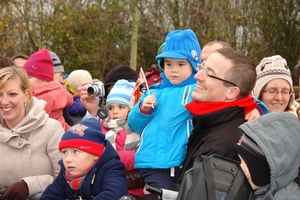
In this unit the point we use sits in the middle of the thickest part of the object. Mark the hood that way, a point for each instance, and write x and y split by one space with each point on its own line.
278 135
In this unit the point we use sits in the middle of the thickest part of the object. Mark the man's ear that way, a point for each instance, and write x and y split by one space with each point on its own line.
233 93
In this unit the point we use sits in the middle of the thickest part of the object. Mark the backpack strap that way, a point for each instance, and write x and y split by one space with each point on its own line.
237 182
210 181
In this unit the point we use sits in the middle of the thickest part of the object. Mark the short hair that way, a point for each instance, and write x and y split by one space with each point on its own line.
23 56
6 62
18 75
297 70
223 44
242 71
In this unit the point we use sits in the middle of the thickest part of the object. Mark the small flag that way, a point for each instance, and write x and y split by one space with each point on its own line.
137 92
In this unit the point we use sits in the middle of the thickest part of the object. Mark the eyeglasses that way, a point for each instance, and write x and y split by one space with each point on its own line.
273 92
207 75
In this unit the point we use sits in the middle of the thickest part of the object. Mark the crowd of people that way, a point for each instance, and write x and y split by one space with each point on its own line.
207 101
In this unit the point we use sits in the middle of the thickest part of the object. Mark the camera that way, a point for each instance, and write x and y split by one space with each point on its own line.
96 88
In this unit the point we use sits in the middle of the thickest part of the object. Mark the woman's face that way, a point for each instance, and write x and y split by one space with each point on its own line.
276 95
12 103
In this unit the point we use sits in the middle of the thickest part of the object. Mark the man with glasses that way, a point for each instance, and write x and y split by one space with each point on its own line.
221 99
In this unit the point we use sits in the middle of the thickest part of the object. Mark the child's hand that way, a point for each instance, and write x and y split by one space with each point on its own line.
251 116
149 102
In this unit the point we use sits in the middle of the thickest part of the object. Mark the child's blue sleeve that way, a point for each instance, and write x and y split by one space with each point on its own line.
261 106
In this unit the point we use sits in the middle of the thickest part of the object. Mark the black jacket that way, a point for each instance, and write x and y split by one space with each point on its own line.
214 133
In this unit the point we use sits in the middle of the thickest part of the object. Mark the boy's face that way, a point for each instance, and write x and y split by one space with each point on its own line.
116 110
77 161
177 70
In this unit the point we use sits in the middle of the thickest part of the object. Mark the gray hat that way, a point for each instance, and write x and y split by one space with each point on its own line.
58 67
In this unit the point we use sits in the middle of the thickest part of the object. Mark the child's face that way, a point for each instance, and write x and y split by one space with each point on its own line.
77 161
177 70
116 110
247 173
34 82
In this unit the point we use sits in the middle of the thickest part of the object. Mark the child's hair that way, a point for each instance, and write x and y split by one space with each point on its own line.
86 135
121 93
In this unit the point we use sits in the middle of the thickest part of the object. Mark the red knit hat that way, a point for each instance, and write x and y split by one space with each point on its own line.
40 65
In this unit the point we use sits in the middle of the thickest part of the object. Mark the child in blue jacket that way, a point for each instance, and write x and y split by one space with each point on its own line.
161 117
90 167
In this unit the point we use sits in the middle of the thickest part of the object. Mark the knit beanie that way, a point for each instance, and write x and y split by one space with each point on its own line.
40 65
181 44
255 159
117 73
121 93
58 67
76 78
270 68
86 135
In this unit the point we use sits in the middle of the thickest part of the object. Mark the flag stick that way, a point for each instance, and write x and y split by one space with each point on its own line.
147 87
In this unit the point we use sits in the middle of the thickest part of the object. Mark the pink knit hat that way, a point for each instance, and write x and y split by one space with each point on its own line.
40 65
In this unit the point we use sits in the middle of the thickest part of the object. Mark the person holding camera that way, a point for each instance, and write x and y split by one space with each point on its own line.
114 125
39 68
74 80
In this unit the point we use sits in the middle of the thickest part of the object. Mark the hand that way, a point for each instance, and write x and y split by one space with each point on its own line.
149 102
16 191
252 115
91 103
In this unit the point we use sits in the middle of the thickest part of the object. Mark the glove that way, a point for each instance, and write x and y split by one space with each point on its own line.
16 191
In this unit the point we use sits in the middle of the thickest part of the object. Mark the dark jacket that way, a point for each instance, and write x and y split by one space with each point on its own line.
106 180
214 133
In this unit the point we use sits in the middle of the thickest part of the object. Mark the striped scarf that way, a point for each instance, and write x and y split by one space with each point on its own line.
75 181
117 125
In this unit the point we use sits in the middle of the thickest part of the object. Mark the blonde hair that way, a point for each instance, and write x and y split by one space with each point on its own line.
18 75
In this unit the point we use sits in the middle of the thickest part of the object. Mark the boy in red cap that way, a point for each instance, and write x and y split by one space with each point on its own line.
90 167
39 68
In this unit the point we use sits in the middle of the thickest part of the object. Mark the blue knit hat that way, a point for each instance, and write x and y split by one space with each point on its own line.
86 135
121 93
181 44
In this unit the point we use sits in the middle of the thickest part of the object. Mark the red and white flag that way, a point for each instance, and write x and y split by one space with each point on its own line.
137 89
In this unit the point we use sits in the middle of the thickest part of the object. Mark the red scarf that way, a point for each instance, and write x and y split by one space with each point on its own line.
75 181
200 108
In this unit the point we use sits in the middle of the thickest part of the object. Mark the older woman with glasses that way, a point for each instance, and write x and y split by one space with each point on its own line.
274 85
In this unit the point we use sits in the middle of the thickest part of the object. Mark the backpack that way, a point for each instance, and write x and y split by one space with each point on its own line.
215 178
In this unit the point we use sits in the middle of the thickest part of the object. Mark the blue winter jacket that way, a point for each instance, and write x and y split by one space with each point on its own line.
106 180
166 129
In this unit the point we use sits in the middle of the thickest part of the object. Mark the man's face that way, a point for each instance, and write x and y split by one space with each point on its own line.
209 88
